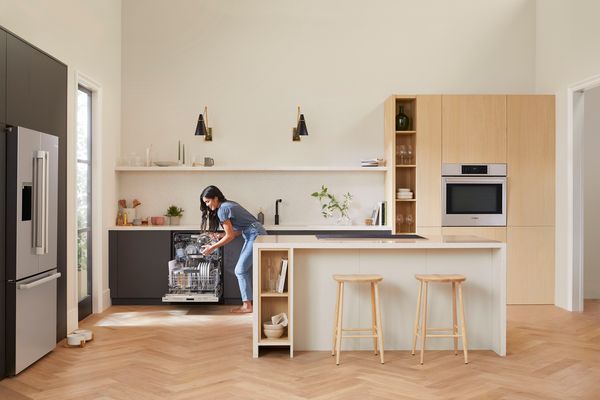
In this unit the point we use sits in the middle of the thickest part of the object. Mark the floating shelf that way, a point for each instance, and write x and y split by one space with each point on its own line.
251 169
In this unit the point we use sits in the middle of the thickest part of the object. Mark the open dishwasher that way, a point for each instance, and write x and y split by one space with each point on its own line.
193 277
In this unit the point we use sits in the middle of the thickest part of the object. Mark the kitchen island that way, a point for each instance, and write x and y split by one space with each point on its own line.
309 292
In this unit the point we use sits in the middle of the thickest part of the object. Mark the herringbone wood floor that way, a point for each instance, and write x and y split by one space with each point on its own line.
205 353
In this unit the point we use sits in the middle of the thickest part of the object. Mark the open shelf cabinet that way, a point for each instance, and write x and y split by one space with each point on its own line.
269 301
401 151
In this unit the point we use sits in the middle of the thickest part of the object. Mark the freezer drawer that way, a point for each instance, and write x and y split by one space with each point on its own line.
35 323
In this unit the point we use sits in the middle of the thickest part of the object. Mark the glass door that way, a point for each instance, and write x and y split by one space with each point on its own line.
84 201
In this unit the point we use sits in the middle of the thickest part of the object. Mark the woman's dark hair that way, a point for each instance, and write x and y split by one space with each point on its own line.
209 217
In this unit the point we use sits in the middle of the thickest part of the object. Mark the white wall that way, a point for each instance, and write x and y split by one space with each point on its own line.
567 37
253 62
591 200
87 37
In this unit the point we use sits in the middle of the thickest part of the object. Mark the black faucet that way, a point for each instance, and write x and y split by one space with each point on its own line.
277 211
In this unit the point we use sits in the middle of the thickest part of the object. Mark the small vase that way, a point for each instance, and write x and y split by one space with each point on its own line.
402 121
174 220
344 220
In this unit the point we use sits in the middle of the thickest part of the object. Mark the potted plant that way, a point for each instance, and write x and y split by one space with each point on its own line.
174 213
330 204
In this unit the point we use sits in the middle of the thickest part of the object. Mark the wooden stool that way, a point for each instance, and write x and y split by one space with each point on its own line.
456 280
375 329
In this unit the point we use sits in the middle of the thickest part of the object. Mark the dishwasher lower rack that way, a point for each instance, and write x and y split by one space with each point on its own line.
195 280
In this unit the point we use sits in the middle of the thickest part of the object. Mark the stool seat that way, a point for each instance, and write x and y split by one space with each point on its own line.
358 278
440 278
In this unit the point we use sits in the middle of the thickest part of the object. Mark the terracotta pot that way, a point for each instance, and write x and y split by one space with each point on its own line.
157 220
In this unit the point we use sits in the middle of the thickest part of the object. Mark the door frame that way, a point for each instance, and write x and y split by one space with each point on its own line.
98 301
575 215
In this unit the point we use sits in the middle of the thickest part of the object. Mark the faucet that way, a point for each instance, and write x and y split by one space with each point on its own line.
277 211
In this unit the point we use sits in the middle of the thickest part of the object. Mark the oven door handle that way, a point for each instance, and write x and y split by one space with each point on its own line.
475 181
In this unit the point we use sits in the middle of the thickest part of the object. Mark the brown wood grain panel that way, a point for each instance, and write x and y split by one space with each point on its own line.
474 128
531 160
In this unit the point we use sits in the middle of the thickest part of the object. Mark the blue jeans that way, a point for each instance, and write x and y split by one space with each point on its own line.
243 268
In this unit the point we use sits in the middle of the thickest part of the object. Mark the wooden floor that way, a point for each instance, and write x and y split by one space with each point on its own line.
205 353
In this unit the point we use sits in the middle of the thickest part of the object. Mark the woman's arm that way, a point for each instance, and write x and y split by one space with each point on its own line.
230 234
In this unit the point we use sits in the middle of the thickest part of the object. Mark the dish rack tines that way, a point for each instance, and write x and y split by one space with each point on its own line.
205 278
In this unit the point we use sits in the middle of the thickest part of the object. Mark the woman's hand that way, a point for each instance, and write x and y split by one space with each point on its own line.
206 250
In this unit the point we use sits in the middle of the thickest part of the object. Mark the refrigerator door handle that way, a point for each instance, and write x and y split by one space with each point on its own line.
40 198
39 282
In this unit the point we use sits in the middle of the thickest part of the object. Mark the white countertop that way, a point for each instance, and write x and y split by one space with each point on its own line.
267 227
429 242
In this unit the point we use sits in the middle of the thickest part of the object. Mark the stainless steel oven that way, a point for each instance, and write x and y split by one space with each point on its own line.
474 195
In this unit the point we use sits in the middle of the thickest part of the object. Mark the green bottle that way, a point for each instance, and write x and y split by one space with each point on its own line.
402 121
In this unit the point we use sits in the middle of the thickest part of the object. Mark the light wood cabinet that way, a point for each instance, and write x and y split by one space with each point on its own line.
492 233
531 154
474 129
270 303
530 265
429 156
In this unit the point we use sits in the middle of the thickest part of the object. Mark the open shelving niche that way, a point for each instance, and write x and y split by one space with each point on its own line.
273 303
401 174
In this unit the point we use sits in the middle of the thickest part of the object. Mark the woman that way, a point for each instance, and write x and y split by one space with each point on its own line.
236 220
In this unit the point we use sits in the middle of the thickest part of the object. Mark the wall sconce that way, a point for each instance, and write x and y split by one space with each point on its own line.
201 127
300 129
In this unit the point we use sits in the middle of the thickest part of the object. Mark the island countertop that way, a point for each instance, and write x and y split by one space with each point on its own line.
428 242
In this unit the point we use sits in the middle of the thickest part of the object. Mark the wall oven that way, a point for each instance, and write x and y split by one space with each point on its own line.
474 195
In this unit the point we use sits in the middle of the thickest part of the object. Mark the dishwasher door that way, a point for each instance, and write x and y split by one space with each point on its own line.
35 325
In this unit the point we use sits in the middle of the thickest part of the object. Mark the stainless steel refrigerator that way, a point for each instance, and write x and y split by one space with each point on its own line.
31 238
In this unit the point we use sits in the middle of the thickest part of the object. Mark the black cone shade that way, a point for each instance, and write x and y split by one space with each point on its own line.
301 128
201 126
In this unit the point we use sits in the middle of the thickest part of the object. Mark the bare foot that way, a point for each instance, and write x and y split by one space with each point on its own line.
242 310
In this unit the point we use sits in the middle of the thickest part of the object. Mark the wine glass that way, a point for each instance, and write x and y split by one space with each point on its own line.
409 154
409 221
399 221
402 151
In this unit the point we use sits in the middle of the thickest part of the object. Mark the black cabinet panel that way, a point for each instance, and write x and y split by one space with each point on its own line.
231 290
142 259
2 76
36 89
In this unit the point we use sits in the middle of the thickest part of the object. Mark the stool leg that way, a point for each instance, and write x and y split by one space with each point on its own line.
379 330
338 339
462 322
417 317
335 322
373 317
424 323
454 325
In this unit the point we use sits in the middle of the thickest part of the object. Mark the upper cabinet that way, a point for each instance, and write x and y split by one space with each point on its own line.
36 89
2 76
474 129
531 153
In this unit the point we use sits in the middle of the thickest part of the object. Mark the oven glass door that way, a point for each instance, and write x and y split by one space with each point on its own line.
474 201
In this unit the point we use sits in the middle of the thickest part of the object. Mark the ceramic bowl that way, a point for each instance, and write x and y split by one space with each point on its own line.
273 331
157 220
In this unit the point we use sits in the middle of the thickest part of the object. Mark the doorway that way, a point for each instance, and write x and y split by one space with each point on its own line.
583 125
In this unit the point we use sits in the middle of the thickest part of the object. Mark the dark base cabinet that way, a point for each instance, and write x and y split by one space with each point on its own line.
138 265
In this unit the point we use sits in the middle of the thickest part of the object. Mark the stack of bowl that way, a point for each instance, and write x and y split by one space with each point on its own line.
273 331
